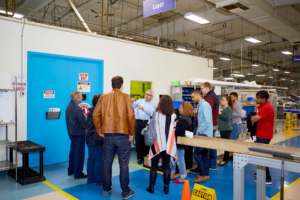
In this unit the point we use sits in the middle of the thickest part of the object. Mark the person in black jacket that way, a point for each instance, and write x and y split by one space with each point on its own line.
184 123
76 126
95 147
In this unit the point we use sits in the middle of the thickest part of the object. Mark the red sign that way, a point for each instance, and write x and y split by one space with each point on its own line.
83 76
85 108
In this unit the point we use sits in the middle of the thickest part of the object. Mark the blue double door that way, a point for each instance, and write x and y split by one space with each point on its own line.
61 74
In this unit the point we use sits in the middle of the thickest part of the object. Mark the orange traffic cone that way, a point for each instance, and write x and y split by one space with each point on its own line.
186 193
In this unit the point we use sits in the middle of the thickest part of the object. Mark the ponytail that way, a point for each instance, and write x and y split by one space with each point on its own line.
230 102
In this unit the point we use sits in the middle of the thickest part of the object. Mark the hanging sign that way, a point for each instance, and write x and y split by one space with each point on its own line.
83 76
295 59
49 94
217 90
84 86
153 7
85 108
18 84
203 193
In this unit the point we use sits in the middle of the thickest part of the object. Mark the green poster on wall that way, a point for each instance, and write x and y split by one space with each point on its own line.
138 89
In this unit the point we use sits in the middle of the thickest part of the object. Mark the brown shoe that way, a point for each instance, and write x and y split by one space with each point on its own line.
207 178
200 179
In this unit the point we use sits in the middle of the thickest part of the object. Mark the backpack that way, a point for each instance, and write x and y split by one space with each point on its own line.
149 132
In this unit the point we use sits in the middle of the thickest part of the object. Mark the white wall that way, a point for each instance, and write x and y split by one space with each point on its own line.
130 60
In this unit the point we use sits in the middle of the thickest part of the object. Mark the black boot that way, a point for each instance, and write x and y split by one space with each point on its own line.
150 188
167 174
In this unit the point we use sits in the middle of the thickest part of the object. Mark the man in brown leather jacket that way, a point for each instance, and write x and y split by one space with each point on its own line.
116 126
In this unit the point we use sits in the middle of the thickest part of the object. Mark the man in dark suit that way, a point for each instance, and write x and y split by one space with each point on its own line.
76 125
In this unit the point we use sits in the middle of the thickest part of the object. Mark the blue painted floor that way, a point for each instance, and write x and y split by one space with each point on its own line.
220 180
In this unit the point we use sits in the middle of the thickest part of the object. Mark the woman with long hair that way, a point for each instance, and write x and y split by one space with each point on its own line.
225 127
164 145
183 124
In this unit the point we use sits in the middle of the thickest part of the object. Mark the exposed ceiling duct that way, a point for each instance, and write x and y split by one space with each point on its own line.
263 14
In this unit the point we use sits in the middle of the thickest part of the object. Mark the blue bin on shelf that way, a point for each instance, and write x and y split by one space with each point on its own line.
177 103
294 111
250 99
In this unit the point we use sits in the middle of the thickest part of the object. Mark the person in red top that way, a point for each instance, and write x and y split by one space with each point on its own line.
265 123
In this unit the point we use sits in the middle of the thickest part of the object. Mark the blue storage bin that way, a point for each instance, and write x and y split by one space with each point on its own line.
177 103
250 99
294 111
249 109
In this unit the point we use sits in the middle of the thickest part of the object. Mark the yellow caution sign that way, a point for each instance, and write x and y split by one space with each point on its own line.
288 117
287 129
201 192
80 88
295 117
294 125
287 123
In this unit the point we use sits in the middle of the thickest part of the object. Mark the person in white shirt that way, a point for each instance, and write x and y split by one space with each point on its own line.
146 107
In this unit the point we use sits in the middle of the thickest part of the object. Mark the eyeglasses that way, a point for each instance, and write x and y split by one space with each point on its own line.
223 100
148 94
193 96
258 97
202 88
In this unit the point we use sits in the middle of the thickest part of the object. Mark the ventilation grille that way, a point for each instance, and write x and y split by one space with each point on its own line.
234 8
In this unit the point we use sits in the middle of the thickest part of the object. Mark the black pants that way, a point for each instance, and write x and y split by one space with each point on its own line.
76 156
226 135
141 149
112 143
165 160
265 141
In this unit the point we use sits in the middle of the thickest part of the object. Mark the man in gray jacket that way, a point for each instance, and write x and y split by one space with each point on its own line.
236 117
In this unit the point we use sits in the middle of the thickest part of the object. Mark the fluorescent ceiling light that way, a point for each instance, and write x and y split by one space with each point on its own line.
249 74
224 58
215 68
260 75
182 49
292 80
287 72
16 15
271 77
252 40
286 52
283 79
237 75
228 78
255 65
236 72
276 70
191 16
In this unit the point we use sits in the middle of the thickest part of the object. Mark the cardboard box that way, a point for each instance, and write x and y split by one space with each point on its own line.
146 161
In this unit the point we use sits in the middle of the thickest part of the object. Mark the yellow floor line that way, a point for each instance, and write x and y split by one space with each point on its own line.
285 139
60 191
286 189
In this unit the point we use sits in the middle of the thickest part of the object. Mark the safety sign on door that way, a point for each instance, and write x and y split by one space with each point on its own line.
85 108
49 94
84 86
83 76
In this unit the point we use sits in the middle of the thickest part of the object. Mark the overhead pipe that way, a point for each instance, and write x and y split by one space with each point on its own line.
79 16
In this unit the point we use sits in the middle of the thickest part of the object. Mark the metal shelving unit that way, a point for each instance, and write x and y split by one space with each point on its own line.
6 165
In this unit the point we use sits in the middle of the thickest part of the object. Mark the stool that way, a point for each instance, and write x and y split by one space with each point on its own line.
27 175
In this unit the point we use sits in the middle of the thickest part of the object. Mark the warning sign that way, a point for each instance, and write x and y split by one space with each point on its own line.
85 108
83 76
203 193
49 94
84 86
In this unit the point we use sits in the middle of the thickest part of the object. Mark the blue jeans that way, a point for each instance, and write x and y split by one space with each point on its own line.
112 143
76 156
201 157
265 141
235 131
180 163
95 164
212 163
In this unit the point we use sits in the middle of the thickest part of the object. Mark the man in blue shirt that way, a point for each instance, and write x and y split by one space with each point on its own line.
145 108
76 126
205 128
